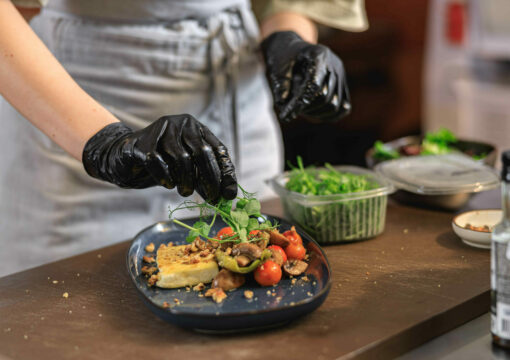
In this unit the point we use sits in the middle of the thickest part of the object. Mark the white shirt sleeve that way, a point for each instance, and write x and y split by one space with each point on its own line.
30 3
346 15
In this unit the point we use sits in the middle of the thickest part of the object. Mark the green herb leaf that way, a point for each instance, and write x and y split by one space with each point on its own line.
252 207
384 152
241 203
253 224
243 235
240 217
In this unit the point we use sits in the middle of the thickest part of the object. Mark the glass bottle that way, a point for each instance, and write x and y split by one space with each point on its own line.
500 265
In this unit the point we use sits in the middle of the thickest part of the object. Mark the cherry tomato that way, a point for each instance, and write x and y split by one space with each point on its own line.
224 232
295 251
269 273
253 233
293 236
279 250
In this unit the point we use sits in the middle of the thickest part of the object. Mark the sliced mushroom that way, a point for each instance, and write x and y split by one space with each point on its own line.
250 250
228 280
294 267
243 260
264 239
276 238
225 245
276 257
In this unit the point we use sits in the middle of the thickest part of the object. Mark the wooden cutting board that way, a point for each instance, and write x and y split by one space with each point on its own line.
389 294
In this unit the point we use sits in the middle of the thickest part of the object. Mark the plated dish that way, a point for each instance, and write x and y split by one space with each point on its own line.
289 299
475 227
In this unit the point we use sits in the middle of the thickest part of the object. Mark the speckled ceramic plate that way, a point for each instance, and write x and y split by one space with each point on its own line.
270 306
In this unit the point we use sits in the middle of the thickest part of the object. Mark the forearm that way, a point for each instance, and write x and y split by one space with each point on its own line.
34 82
290 21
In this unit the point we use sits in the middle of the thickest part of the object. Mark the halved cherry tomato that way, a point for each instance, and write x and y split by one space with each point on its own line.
253 233
224 232
293 236
279 250
295 251
267 274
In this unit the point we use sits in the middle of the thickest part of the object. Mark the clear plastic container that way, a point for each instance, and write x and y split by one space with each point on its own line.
331 219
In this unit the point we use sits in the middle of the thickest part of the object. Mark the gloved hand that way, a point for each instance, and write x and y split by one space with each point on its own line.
176 150
306 80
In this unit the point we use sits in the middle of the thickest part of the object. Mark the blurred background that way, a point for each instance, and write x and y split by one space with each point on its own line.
421 65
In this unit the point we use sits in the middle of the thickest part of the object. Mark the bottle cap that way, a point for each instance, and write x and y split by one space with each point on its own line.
505 170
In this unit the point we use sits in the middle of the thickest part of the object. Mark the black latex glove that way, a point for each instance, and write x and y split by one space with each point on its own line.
176 150
306 80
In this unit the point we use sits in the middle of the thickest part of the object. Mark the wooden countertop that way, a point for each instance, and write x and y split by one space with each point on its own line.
389 294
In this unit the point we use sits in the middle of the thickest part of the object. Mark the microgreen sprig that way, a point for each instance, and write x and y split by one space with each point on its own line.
242 218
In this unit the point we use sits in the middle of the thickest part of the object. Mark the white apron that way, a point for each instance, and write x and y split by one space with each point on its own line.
197 57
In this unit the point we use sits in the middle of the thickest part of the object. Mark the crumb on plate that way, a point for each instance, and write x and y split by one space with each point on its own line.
150 248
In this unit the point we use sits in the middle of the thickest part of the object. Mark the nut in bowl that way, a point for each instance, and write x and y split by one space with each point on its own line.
475 227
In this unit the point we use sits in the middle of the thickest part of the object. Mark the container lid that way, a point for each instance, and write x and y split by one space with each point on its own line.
385 187
439 174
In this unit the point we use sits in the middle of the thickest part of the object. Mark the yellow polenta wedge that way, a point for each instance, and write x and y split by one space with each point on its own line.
178 268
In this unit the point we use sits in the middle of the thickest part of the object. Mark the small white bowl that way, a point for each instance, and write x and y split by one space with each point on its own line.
479 239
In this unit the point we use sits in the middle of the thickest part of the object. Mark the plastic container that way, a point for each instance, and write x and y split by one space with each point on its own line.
331 219
441 181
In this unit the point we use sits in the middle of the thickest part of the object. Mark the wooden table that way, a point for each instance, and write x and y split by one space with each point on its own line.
389 294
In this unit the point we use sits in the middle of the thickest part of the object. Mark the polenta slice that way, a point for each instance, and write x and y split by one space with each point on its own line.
178 267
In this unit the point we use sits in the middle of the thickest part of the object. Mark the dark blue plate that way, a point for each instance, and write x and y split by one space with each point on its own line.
270 306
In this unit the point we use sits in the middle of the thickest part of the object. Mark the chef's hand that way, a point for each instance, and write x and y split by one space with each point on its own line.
176 150
306 80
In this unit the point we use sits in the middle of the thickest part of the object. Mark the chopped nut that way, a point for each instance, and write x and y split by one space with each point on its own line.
188 289
279 298
293 281
150 247
195 259
166 305
194 247
65 295
149 270
148 259
305 278
268 293
177 301
199 287
152 280
200 295
309 293
248 294
205 252
217 294
55 281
